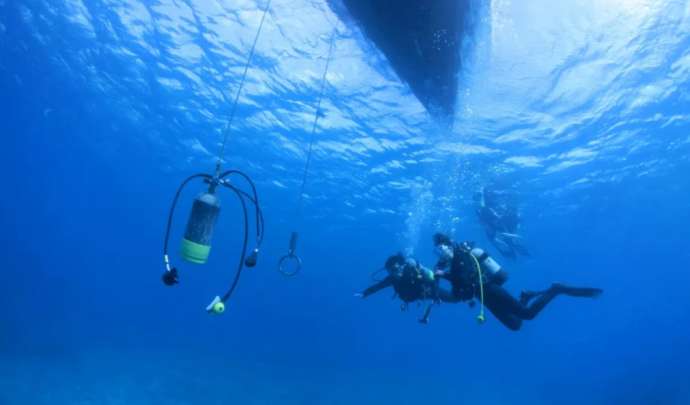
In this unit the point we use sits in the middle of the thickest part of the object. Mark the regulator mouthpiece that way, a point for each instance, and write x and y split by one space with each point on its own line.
170 278
216 306
250 261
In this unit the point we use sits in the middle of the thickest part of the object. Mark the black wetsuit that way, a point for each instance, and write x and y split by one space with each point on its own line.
410 293
511 312
492 227
498 220
410 285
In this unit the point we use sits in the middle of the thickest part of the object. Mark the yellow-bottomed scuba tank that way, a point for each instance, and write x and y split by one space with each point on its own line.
196 244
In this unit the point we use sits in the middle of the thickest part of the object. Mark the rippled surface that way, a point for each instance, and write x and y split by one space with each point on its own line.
559 98
569 91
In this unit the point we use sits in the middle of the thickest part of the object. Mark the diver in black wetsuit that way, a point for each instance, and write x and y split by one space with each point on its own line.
461 260
501 221
411 282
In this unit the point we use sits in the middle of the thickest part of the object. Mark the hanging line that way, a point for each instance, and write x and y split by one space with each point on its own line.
300 204
291 255
226 131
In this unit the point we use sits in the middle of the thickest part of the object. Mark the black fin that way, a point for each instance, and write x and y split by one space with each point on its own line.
585 292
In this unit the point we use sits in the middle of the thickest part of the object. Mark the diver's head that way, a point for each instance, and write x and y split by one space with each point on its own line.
442 239
395 262
411 262
443 247
444 253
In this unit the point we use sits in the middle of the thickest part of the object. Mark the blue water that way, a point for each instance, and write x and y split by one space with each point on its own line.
105 106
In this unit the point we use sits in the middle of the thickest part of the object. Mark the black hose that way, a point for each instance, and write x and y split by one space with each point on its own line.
255 200
174 203
240 265
259 224
241 195
246 178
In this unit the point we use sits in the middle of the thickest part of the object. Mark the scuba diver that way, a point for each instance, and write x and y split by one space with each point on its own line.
500 221
411 282
473 274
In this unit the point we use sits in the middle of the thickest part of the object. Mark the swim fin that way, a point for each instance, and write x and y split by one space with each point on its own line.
509 235
586 292
521 250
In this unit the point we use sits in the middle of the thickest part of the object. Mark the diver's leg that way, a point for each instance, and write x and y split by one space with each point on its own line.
506 302
528 295
543 298
520 248
502 306
503 247
539 303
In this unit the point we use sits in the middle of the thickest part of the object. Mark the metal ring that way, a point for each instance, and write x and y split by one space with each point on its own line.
284 260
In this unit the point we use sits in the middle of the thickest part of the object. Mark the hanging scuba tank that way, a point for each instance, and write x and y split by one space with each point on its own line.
196 244
490 267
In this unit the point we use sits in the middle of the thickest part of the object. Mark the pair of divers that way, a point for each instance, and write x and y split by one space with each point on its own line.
473 275
411 282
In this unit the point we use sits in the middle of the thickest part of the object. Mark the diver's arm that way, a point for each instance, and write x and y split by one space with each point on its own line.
386 282
440 270
441 274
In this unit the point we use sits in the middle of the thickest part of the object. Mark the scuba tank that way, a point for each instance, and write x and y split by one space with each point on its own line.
196 244
494 270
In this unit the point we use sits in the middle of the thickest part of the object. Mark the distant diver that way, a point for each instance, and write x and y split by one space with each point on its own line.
501 221
473 274
411 282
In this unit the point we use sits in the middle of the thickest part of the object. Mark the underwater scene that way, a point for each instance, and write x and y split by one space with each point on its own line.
345 202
